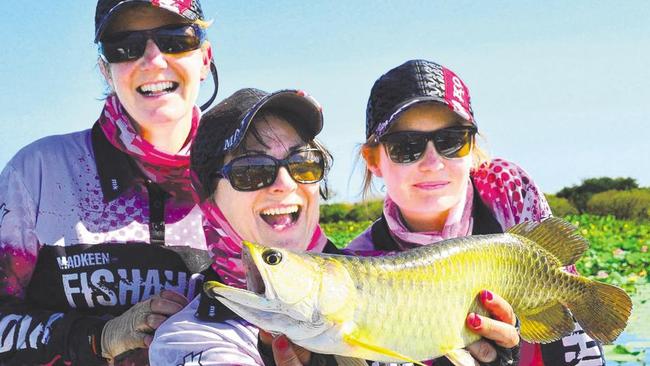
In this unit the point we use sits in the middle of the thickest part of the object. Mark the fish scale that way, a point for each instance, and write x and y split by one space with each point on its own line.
412 305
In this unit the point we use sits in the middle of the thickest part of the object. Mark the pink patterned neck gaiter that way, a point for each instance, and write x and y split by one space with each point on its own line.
459 223
225 245
169 171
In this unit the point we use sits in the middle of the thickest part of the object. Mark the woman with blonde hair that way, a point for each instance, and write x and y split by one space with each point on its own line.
420 140
101 239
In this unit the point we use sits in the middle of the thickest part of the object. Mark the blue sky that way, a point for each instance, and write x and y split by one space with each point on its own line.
561 88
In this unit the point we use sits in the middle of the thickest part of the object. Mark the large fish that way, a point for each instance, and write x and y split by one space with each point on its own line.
412 305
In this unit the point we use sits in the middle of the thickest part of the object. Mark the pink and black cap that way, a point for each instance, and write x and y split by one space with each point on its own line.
188 9
411 83
224 127
246 103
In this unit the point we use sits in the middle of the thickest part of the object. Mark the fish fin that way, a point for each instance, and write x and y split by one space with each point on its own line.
556 235
349 361
603 310
378 349
545 324
461 357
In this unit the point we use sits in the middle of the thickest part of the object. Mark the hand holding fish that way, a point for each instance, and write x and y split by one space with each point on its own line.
500 327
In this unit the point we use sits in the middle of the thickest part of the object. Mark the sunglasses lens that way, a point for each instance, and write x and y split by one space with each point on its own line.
250 173
306 166
405 147
453 143
408 146
177 40
125 48
129 46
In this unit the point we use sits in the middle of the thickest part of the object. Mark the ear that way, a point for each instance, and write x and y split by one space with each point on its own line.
206 48
106 72
371 156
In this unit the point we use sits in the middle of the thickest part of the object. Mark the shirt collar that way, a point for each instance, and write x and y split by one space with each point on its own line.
114 167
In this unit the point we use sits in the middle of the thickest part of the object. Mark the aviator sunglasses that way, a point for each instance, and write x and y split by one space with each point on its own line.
129 46
405 147
252 172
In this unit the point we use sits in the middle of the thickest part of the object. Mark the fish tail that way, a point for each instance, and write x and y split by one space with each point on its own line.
602 310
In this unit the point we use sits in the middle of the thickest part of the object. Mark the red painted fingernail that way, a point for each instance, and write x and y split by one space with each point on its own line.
474 321
486 296
282 343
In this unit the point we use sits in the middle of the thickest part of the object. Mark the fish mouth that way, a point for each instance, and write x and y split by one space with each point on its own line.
254 280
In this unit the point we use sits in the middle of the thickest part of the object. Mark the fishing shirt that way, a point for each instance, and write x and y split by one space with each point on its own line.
85 234
512 197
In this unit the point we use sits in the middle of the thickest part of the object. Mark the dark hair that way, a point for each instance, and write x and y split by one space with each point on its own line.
207 159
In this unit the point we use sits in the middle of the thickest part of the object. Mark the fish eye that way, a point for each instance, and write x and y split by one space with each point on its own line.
272 257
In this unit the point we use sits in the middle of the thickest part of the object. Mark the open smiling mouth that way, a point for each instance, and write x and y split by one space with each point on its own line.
157 88
280 218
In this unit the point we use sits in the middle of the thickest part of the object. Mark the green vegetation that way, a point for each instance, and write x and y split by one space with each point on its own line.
632 204
561 206
580 194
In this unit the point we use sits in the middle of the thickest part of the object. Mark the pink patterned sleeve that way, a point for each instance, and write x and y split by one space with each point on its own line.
510 193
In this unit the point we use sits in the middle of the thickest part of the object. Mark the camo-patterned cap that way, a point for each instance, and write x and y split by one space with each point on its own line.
188 9
414 82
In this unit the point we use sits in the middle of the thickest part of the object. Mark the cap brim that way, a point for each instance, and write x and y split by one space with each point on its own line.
309 113
119 7
385 126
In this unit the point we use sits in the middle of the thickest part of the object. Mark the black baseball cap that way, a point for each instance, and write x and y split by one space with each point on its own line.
223 128
411 83
188 9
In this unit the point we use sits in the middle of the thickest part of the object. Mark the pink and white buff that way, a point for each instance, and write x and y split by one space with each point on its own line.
225 245
170 171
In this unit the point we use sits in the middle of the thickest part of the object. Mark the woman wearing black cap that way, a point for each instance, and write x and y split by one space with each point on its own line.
420 139
259 170
100 237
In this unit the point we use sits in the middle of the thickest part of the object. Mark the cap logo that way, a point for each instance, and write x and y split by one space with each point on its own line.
459 91
177 6
232 140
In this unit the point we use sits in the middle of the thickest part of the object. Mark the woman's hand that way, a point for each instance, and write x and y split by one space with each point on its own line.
134 328
285 353
500 328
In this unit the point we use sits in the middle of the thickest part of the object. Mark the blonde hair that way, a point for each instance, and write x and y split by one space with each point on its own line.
369 151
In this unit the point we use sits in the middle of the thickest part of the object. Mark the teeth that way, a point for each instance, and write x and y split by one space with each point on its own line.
157 87
281 210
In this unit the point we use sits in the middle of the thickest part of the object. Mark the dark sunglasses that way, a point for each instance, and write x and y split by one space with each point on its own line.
405 147
252 172
129 46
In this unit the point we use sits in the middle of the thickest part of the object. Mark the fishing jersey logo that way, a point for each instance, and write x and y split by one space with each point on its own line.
3 212
22 331
112 277
575 349
123 286
83 260
192 359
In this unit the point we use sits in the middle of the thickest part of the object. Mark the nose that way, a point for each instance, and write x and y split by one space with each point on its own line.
283 182
153 57
430 159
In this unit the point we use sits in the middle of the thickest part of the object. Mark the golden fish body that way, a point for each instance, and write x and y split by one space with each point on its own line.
412 305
